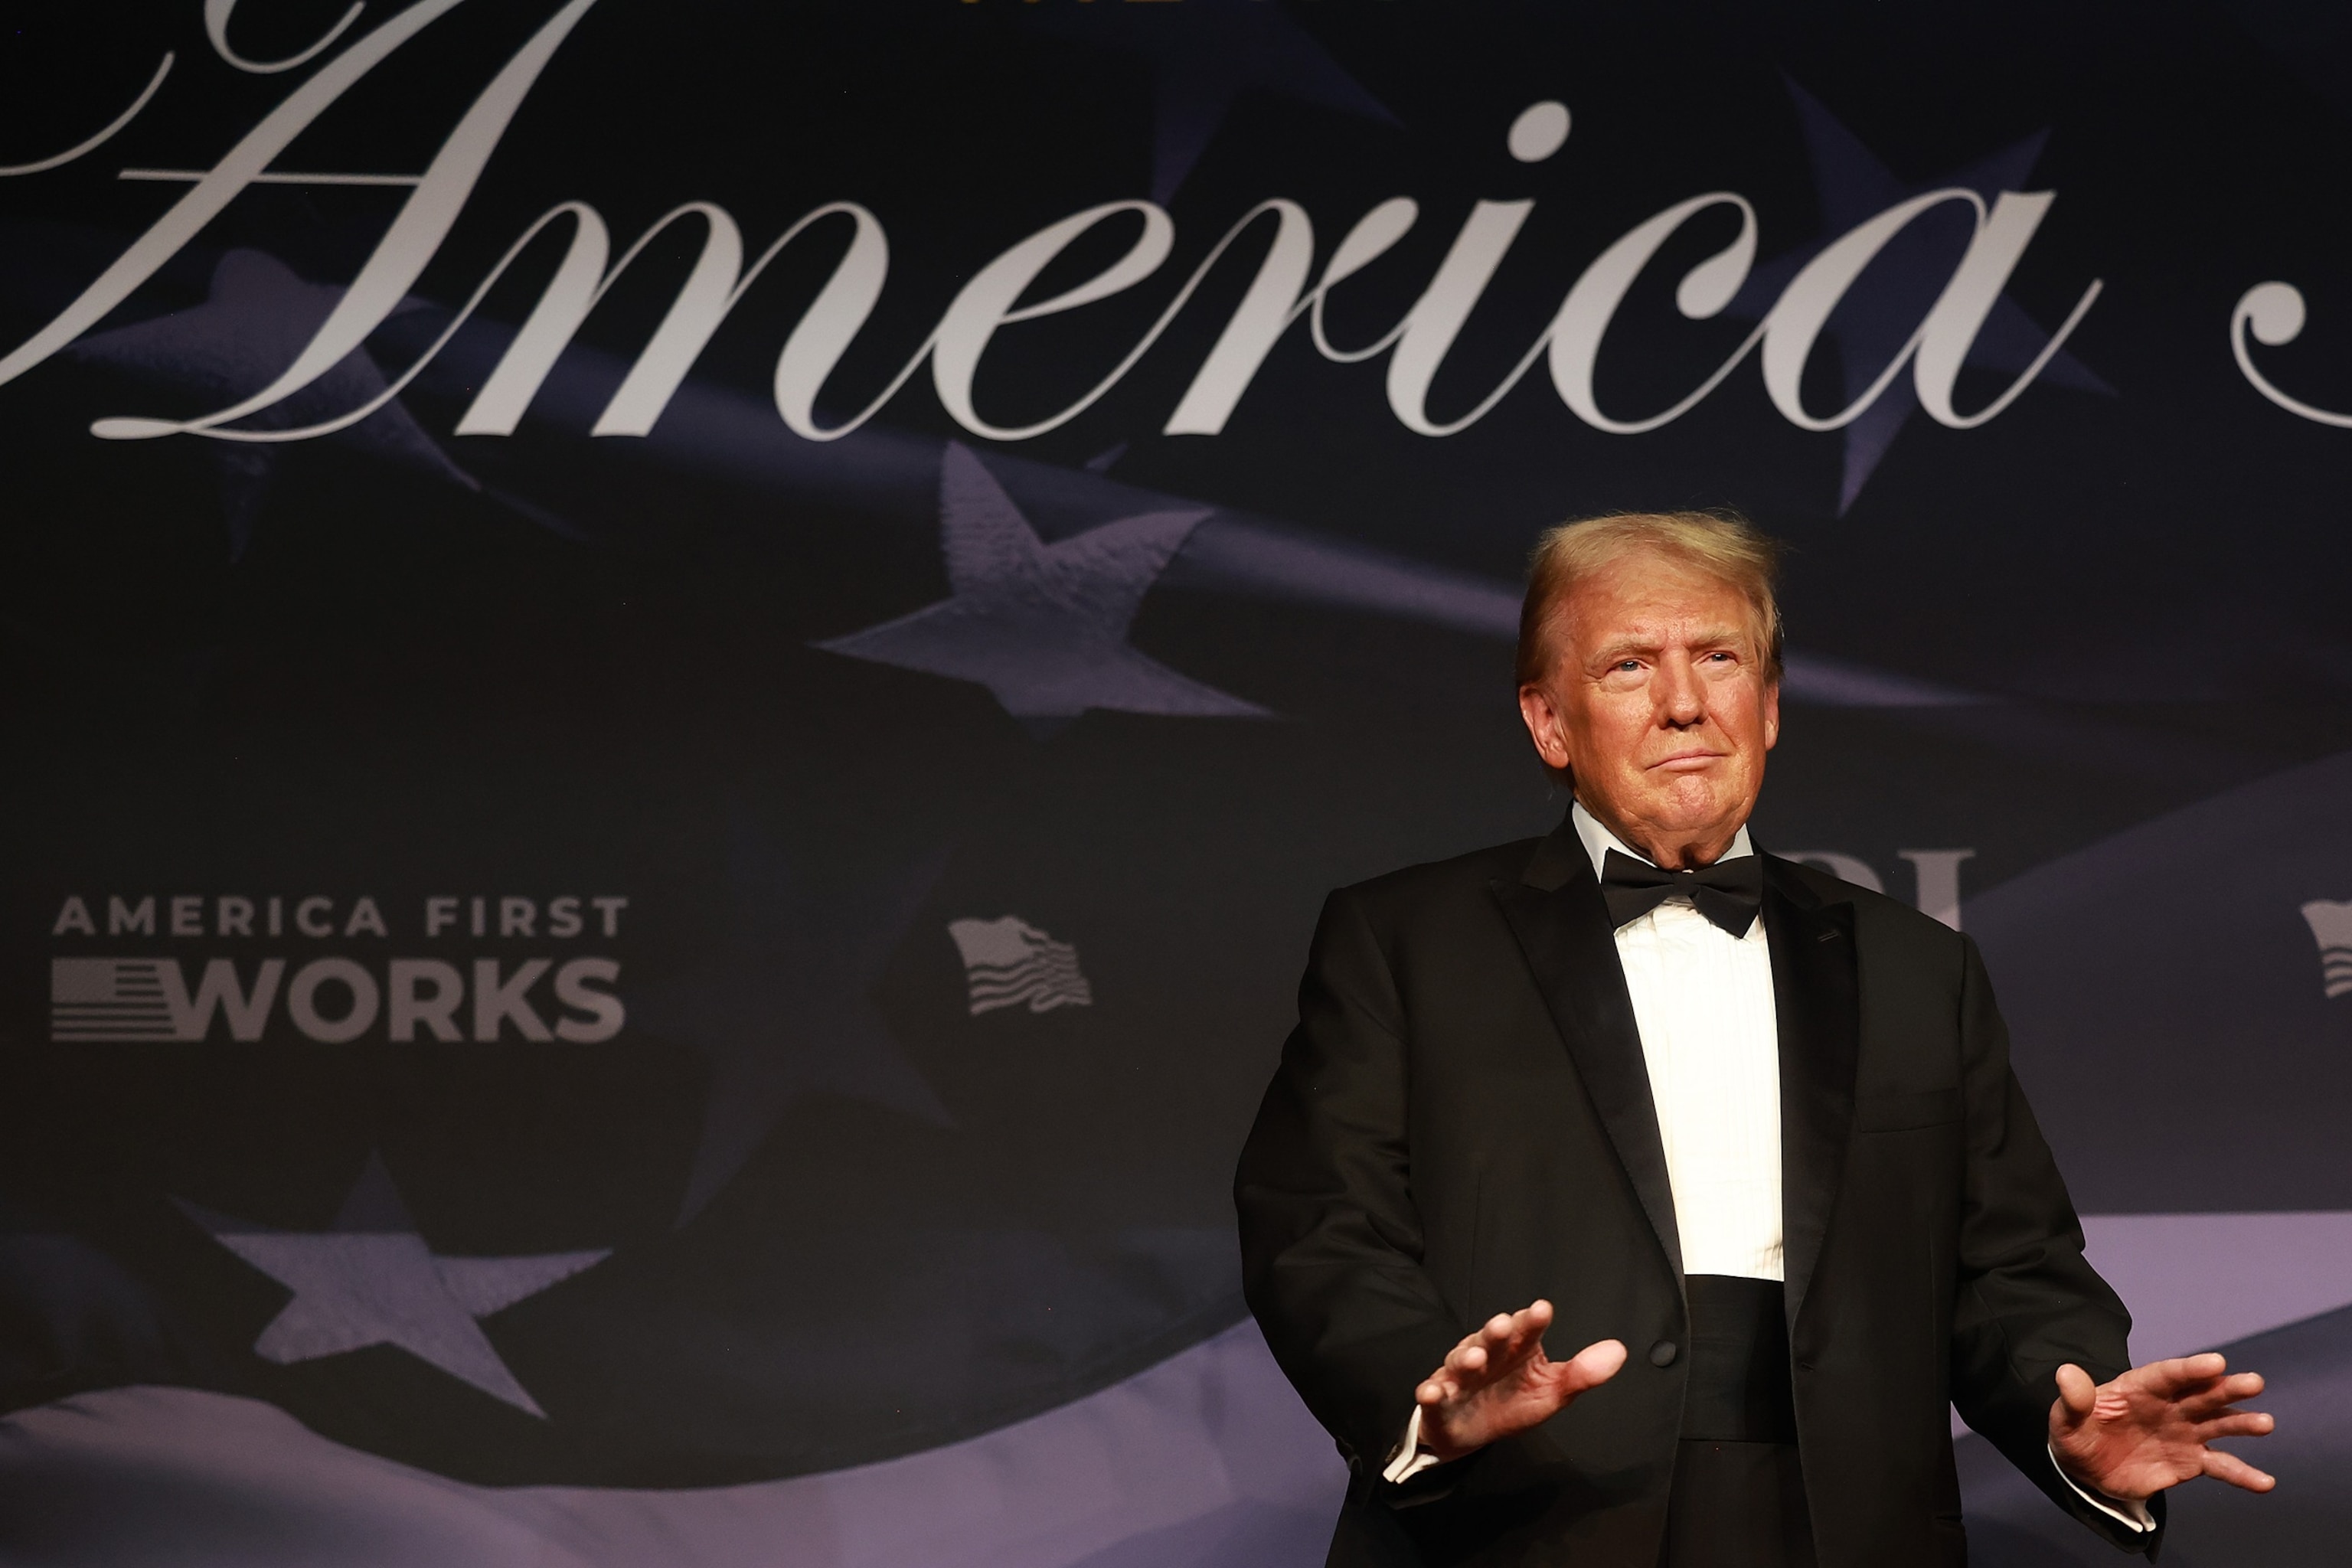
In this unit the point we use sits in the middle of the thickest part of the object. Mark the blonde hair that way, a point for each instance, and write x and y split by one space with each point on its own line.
1721 544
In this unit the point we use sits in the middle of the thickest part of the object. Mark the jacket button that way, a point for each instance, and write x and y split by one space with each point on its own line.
1662 1353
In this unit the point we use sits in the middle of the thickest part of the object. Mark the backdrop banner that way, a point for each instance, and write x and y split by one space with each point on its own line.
682 680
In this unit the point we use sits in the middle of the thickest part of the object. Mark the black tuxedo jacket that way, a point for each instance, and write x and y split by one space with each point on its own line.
1461 1122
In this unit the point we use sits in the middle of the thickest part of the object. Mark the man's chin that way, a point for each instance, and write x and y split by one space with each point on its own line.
1680 818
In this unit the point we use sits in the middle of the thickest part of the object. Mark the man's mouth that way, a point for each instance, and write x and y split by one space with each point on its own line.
1686 762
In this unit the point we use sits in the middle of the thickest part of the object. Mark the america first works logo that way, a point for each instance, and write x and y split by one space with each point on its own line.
401 985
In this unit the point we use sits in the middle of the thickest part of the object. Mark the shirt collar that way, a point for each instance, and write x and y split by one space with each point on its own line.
1598 840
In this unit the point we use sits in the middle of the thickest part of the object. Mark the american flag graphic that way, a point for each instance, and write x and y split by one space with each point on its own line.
1008 963
2331 927
109 999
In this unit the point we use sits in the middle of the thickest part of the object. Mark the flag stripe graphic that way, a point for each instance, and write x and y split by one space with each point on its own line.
103 999
1009 963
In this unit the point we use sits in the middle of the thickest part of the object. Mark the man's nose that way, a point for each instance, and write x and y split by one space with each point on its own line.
1681 703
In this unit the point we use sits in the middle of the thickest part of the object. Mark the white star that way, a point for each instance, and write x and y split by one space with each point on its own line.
370 1279
1044 627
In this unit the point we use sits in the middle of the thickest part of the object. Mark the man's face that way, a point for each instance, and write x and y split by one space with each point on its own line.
1657 702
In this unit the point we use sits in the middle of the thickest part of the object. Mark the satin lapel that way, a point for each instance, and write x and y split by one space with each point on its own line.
1562 926
1817 999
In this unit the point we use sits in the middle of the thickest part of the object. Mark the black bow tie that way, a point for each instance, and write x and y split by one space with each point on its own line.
1729 893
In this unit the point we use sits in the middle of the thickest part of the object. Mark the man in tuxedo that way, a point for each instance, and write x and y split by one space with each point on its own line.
1640 1085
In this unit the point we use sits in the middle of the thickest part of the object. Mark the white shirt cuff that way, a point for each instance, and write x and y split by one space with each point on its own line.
1406 1460
2123 1511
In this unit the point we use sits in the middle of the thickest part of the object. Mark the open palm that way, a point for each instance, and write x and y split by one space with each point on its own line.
2152 1428
1498 1381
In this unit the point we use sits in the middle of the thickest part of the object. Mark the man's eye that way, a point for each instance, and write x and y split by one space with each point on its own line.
1631 664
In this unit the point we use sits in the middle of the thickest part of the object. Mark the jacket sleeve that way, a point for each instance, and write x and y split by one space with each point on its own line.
2027 1301
1331 1243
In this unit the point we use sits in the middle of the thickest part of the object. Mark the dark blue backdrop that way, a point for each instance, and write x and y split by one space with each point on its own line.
647 890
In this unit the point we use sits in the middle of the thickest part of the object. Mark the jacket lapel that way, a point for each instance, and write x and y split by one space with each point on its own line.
1555 912
1817 999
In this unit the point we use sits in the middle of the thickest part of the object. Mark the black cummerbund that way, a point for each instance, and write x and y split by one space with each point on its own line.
1739 1390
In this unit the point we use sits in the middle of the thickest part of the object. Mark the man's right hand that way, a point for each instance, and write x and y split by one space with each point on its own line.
1498 1381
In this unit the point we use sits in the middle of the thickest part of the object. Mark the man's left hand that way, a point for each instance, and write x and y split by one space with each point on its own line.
2153 1427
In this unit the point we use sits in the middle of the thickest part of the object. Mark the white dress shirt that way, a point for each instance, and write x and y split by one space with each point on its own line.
1703 1000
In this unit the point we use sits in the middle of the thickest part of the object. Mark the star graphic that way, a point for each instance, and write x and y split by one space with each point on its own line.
370 1279
258 318
1201 57
1878 316
783 1009
1044 627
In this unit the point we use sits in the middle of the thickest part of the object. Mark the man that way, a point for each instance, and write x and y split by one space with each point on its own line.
1640 1085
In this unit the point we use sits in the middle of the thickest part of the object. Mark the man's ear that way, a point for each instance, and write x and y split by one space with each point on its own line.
1773 715
1543 721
